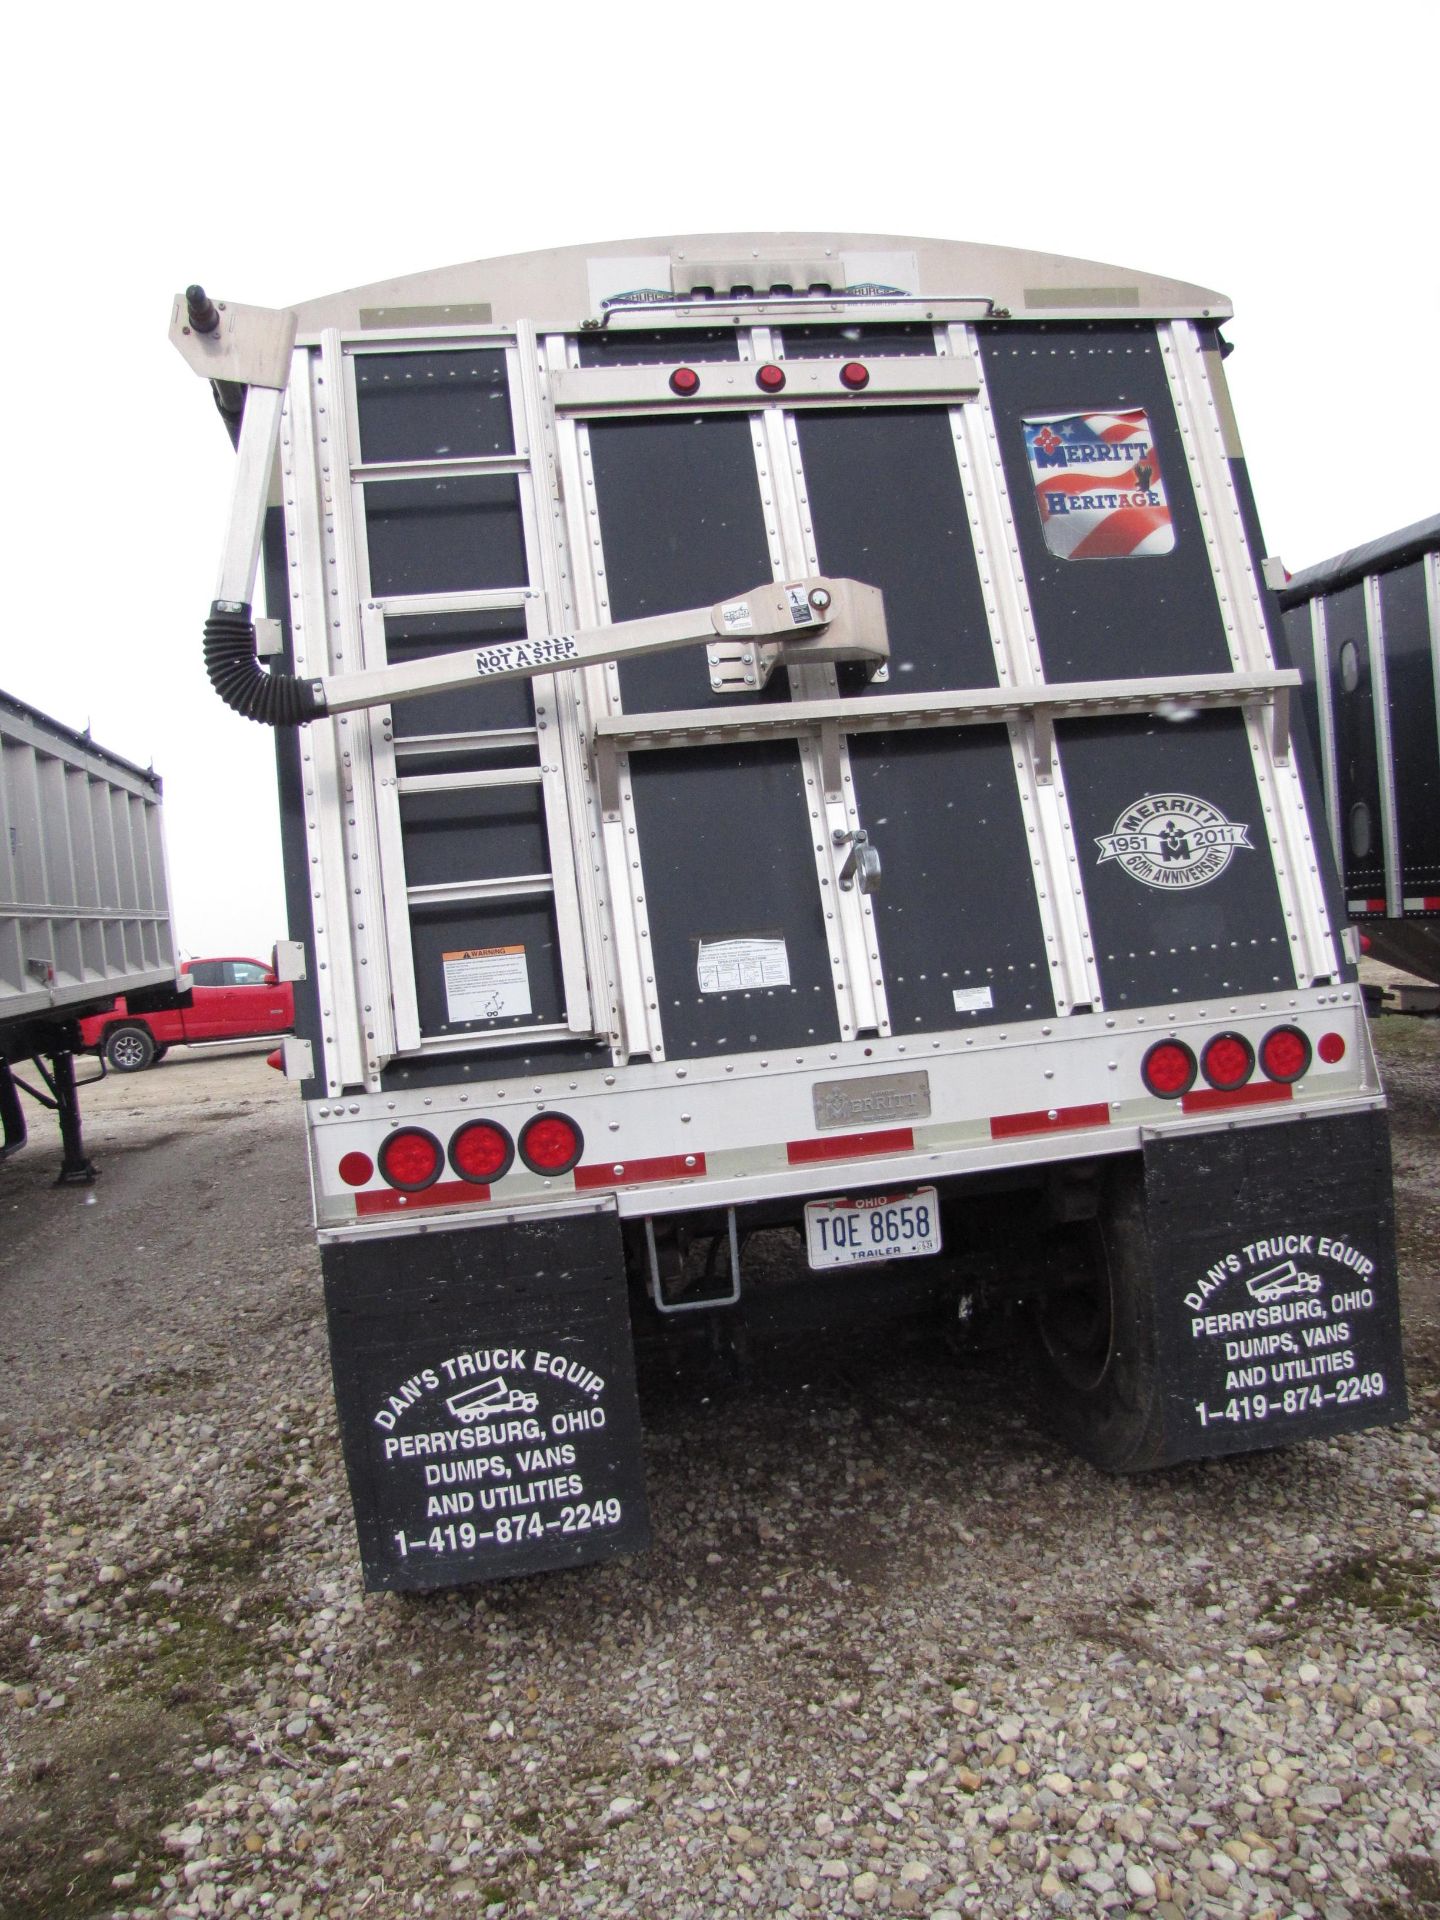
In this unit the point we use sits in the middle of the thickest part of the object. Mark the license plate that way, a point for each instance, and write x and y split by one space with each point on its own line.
849 1233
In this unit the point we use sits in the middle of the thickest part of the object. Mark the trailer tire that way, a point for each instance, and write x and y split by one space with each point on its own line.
1095 1341
129 1049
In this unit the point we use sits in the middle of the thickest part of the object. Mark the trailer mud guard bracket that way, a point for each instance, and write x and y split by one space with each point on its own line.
486 1387
1274 1283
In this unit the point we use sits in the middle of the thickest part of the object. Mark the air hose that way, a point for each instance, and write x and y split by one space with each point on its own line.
274 699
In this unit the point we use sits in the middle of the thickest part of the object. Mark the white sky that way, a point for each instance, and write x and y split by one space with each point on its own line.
1283 154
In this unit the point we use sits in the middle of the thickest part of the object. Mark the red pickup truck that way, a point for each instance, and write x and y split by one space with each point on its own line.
233 999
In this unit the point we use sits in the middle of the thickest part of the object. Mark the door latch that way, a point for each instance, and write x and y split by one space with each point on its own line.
862 863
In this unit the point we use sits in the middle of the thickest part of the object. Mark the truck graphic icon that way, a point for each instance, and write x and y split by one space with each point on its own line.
491 1396
1279 1283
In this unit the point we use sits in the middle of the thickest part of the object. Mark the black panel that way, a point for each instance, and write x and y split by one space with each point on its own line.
1302 653
473 833
865 343
1357 763
665 347
726 839
436 931
445 536
682 526
885 493
1409 664
944 812
1190 935
524 1057
427 1336
485 705
453 405
1273 1276
1104 619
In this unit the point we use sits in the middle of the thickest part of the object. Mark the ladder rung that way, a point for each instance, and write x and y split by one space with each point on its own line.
429 746
520 886
466 782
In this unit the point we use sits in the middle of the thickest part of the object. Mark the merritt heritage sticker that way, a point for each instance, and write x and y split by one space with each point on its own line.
1098 488
1172 840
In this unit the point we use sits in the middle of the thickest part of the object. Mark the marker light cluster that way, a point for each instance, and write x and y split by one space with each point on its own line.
854 376
481 1152
1228 1061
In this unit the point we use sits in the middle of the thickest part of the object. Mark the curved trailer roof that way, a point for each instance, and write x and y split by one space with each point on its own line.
565 286
1376 556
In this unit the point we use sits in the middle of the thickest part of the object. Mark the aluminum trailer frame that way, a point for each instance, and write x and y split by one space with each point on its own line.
84 907
1364 629
1013 947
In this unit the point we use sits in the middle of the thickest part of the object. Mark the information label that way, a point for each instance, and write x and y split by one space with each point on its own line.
486 983
738 966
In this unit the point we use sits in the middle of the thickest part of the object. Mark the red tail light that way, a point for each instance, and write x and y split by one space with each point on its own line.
1168 1069
770 378
482 1152
854 376
411 1159
356 1168
551 1143
1228 1061
1285 1053
684 380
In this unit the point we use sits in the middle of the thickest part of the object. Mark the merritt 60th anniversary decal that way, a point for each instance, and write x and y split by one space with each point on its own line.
1172 840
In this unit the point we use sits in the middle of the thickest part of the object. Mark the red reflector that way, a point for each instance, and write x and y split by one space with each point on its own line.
849 1146
356 1168
854 376
411 1159
1364 943
628 1173
1004 1126
1285 1053
481 1151
685 380
445 1193
1228 1061
770 377
1259 1093
550 1143
276 1060
1331 1048
1168 1069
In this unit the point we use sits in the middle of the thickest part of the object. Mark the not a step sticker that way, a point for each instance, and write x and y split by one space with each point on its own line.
492 1448
1290 1328
486 983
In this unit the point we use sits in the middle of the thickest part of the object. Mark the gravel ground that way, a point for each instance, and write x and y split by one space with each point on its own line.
891 1652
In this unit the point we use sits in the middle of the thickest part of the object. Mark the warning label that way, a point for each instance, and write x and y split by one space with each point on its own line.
487 983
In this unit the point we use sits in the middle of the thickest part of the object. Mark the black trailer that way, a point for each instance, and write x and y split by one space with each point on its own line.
1364 629
787 734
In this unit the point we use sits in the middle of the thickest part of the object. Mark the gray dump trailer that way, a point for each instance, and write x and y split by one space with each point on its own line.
84 909
1364 629
785 739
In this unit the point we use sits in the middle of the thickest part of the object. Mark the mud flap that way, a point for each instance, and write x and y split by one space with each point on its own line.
485 1382
1275 1284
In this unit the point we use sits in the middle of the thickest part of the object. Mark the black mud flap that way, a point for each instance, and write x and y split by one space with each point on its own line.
486 1387
1276 1293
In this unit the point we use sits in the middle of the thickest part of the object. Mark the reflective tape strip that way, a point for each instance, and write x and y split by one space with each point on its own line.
1258 1094
1004 1126
629 1173
850 1146
1423 903
444 1193
1365 906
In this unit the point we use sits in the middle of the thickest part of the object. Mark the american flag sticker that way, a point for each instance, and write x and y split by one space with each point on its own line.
1098 486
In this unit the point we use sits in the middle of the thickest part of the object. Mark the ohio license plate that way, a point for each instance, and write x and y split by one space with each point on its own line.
896 1226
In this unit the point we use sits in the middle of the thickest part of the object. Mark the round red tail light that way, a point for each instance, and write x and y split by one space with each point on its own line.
481 1152
1228 1061
685 380
550 1143
1285 1053
770 377
854 376
356 1168
1331 1048
1168 1069
411 1159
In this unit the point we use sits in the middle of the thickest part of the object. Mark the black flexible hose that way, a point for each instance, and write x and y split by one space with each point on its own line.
274 699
